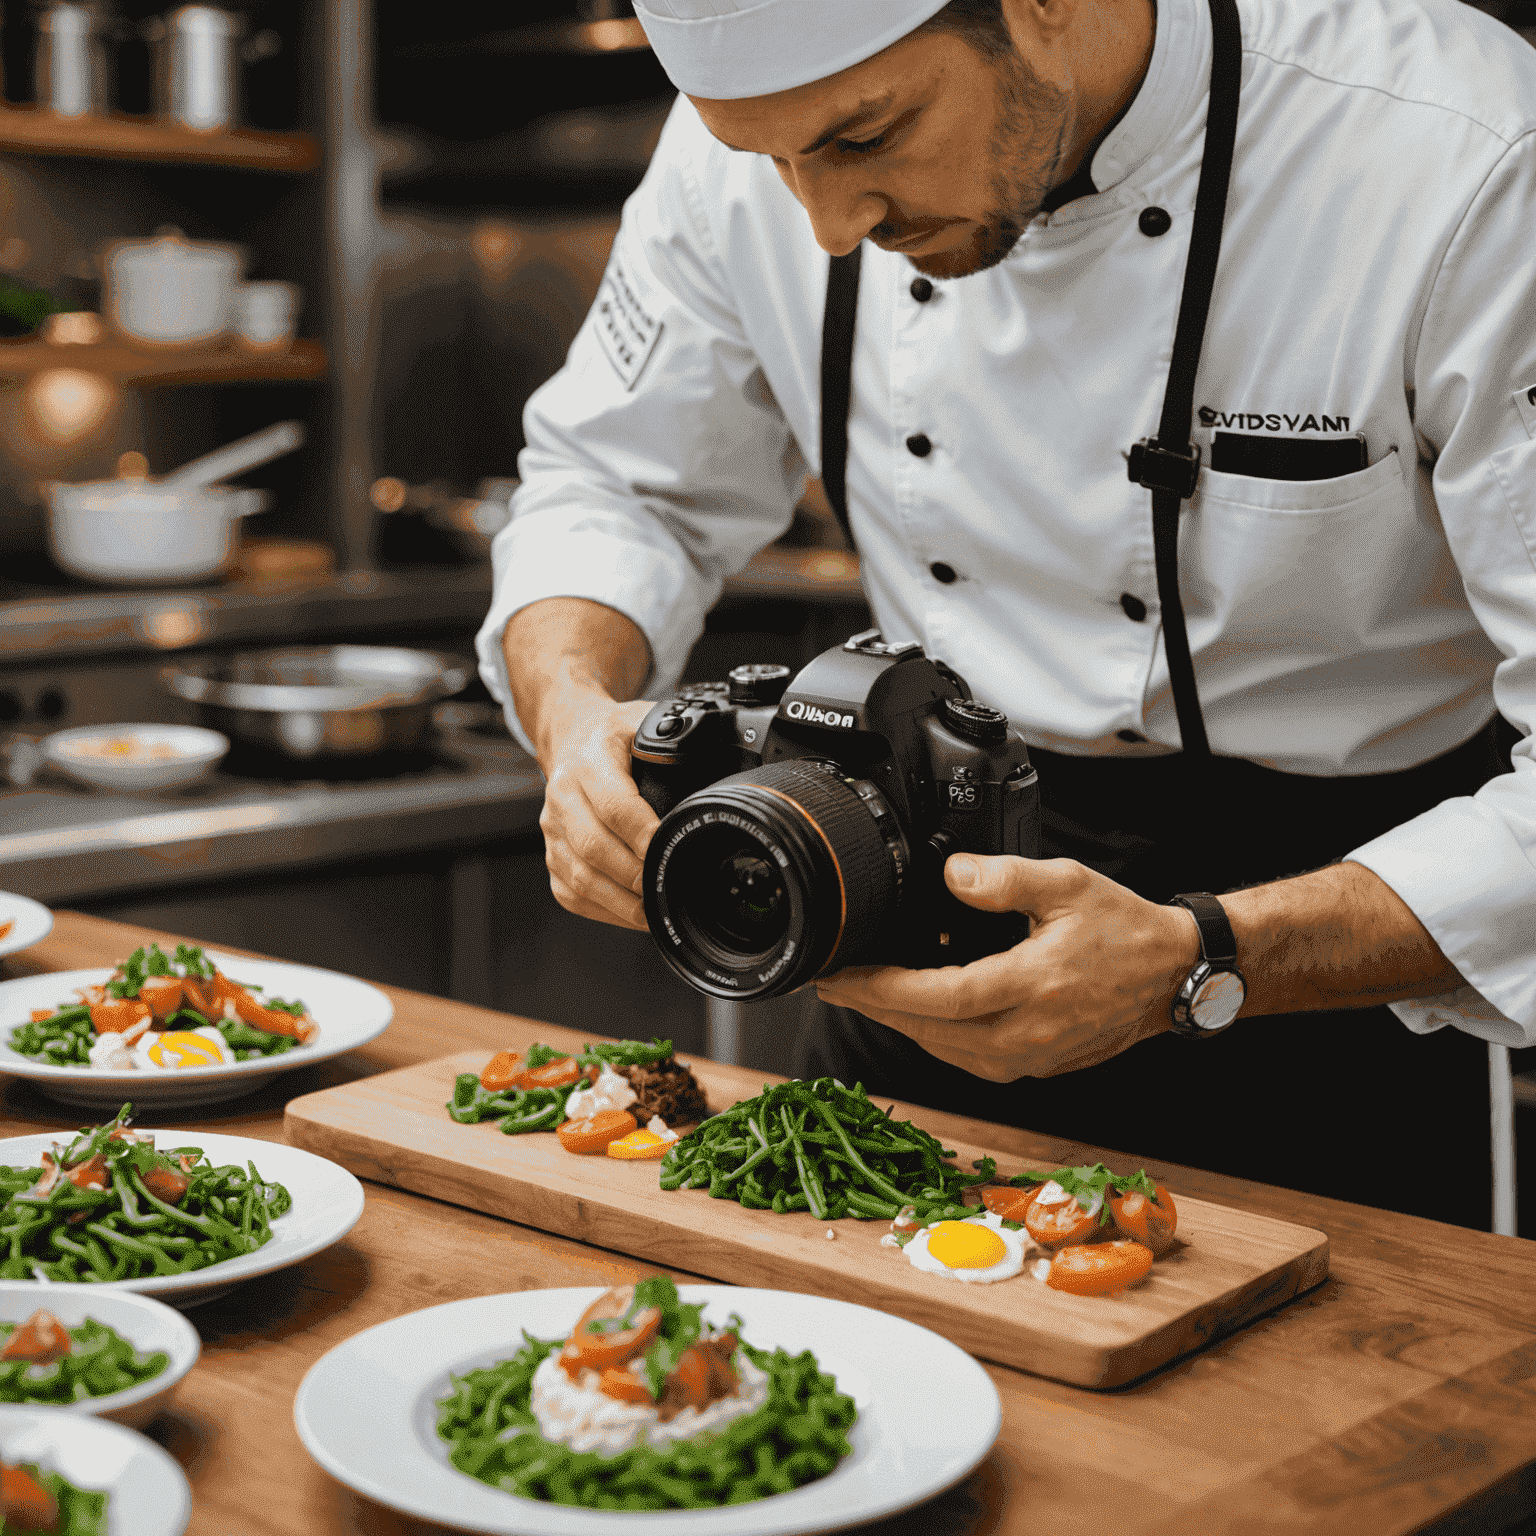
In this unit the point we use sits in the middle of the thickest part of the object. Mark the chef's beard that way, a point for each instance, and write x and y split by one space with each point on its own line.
1033 119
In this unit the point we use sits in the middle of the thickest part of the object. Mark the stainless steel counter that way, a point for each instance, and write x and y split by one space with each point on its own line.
60 843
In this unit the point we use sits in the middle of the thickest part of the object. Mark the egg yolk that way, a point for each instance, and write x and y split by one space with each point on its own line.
639 1145
966 1245
182 1048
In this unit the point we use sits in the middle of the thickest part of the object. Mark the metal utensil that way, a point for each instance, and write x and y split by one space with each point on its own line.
302 703
236 457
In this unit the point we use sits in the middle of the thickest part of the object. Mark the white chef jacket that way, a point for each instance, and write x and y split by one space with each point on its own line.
1378 276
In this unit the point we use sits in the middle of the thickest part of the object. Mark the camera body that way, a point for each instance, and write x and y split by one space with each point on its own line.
806 819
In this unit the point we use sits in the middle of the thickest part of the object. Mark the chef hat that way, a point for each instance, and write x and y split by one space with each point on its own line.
725 49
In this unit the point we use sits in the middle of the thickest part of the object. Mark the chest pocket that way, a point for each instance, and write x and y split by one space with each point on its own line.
1318 566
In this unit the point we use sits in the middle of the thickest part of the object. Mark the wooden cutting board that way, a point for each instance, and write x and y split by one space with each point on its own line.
1227 1267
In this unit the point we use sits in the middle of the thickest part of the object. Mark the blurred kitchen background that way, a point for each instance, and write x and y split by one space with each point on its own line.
441 185
385 223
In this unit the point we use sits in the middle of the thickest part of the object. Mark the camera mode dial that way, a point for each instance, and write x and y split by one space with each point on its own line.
759 682
976 722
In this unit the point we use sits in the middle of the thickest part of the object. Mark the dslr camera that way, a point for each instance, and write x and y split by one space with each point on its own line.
805 821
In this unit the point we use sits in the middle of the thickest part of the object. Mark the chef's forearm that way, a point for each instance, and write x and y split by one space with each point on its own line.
565 654
1339 937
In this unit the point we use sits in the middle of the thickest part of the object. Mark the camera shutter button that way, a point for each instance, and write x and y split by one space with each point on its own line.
668 725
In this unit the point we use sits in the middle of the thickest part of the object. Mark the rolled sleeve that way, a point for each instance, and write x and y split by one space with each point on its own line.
655 466
1467 867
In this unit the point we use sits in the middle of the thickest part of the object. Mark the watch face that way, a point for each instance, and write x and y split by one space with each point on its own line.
1217 1000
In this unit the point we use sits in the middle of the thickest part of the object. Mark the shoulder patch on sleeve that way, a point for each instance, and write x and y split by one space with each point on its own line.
626 326
1525 403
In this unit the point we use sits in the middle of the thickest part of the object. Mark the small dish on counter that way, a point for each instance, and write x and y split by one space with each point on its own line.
147 1492
23 922
150 1326
136 756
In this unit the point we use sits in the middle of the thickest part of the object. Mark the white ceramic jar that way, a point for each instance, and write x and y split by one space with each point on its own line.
171 291
134 533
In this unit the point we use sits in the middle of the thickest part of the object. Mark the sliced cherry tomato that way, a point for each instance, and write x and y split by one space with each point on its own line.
273 1020
638 1146
162 993
117 1014
589 1351
28 1506
1092 1269
40 1340
689 1384
1054 1226
91 1175
205 996
1011 1203
623 1384
595 1132
1149 1222
500 1072
166 1184
559 1073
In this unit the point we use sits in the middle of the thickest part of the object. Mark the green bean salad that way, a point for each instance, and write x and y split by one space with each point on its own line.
820 1147
100 1362
110 1206
77 1511
800 1434
65 1038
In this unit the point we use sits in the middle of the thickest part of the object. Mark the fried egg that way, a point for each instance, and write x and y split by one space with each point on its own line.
979 1249
177 1048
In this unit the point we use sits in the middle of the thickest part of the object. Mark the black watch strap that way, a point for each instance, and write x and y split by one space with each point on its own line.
1218 944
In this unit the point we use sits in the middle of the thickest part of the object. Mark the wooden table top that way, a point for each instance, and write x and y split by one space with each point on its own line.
1398 1396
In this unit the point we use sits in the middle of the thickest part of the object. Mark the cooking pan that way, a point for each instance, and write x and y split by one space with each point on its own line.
306 703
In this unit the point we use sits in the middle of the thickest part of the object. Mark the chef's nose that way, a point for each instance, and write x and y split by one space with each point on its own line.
838 202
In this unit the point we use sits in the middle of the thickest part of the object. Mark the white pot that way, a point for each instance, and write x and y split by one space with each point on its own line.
171 291
133 533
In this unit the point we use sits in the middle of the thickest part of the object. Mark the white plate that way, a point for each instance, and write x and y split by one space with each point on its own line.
30 921
148 1492
147 1324
327 1201
928 1413
349 1012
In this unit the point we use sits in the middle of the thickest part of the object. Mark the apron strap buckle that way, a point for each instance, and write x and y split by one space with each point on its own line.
1165 469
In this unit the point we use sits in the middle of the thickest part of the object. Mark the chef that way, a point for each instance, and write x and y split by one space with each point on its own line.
1174 368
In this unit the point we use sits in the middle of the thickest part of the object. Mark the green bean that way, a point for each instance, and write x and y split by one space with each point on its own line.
817 1146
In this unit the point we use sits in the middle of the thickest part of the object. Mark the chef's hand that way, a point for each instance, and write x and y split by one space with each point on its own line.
1096 974
595 825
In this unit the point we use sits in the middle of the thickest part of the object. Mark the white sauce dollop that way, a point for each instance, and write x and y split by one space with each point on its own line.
610 1091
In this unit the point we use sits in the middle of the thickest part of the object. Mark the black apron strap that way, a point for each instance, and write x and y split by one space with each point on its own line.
1169 464
837 328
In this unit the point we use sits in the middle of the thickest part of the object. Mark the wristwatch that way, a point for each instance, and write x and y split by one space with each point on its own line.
1213 993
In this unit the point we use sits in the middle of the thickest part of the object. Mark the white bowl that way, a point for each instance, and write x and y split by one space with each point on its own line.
147 1491
147 1324
195 751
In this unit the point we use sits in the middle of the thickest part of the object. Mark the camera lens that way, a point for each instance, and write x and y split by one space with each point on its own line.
742 902
769 878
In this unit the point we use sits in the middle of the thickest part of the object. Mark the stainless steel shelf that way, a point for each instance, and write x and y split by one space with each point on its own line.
43 626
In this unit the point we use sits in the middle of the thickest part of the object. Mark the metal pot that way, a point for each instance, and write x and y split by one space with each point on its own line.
140 533
304 703
171 291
